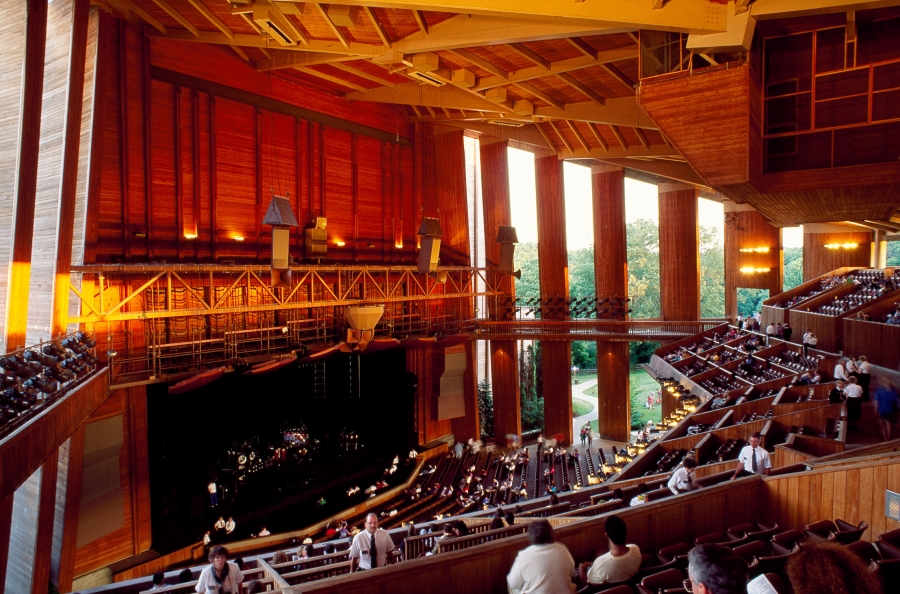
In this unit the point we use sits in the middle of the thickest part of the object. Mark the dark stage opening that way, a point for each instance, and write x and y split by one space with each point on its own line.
232 430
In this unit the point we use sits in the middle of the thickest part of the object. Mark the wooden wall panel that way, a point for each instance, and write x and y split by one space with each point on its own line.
470 424
748 229
818 260
880 343
611 278
553 262
214 161
423 363
451 196
679 253
851 493
504 354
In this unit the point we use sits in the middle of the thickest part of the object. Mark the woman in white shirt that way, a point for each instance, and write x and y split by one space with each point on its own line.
222 577
864 377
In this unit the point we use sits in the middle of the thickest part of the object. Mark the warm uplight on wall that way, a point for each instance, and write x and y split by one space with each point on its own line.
756 250
339 243
753 270
190 236
841 246
398 245
238 238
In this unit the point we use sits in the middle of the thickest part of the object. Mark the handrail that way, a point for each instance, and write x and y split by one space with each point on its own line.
588 329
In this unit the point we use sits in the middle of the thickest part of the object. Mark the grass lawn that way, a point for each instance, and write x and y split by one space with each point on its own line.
581 407
641 383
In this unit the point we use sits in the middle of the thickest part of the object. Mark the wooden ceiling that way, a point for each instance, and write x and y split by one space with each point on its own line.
557 75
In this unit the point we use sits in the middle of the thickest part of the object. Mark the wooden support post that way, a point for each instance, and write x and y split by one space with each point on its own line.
71 146
43 542
553 264
503 353
611 279
73 501
6 508
29 142
749 231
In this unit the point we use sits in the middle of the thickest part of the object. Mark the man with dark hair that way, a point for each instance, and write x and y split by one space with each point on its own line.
753 459
714 569
185 576
619 564
682 481
158 579
543 568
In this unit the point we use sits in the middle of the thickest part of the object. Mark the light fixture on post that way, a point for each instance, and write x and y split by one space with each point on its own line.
753 270
362 320
316 238
429 253
841 246
507 238
280 216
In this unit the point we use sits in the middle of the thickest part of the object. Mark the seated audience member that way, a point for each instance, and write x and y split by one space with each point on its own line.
714 569
255 587
641 497
185 576
329 549
279 557
158 579
264 532
682 481
830 568
619 564
497 523
229 526
545 567
447 533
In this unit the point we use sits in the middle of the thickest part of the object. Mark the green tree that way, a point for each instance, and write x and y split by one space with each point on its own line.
893 253
642 238
642 351
712 274
531 400
793 267
584 354
750 300
581 274
486 407
526 258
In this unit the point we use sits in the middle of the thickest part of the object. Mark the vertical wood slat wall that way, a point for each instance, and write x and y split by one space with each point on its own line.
611 278
553 259
748 229
818 260
214 162
503 353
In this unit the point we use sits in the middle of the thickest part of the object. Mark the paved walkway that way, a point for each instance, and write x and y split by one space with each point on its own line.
579 422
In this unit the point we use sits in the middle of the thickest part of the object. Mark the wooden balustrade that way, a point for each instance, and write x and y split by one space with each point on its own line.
317 573
616 331
463 542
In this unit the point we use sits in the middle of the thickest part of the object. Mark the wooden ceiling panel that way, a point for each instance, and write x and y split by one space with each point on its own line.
376 70
608 42
183 8
397 23
553 50
451 61
312 81
598 79
653 136
557 89
502 56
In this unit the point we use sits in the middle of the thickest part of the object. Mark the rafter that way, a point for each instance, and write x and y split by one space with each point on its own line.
593 128
584 47
562 137
379 28
578 135
582 88
529 55
147 18
178 17
247 40
641 137
546 136
334 28
420 20
481 63
330 78
618 135
528 88
619 76
212 18
621 111
682 172
361 74
559 67
280 60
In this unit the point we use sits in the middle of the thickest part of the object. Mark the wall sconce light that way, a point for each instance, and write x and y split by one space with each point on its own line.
238 238
841 246
753 270
190 236
398 245
756 250
139 234
339 243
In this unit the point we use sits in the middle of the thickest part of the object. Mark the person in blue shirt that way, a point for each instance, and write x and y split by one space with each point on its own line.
887 404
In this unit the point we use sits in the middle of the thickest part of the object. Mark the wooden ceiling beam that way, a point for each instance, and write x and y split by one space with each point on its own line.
329 78
528 88
546 136
581 88
578 135
420 21
280 60
361 74
682 172
212 18
529 55
414 93
593 128
144 15
621 111
167 8
334 28
562 66
618 135
481 63
584 47
562 137
248 40
619 76
641 137
379 28
678 15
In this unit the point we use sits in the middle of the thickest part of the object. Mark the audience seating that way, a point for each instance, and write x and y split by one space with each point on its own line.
754 531
670 579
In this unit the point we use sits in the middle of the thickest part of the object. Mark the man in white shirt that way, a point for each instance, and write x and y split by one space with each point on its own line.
753 459
619 564
372 547
839 373
229 526
213 494
854 393
682 481
543 568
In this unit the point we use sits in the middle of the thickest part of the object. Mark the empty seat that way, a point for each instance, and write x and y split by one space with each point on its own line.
820 530
664 580
892 537
848 533
723 538
865 550
789 538
752 550
754 530
773 563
